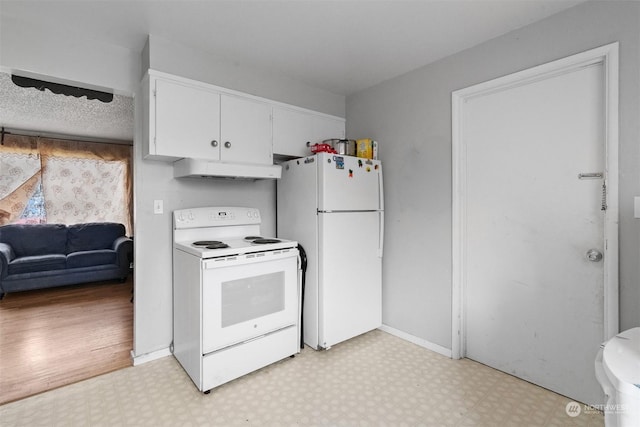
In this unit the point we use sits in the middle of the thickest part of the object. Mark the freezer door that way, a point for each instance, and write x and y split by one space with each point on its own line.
349 183
350 275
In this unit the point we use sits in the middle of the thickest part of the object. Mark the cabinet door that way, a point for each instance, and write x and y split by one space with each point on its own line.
187 121
245 131
292 130
327 128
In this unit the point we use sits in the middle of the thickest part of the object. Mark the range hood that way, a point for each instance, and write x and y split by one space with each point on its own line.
214 169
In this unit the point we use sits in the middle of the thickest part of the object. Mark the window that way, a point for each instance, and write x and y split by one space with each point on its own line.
64 182
34 212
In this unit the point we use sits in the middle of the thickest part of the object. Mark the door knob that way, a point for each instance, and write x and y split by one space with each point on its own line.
214 143
594 255
227 144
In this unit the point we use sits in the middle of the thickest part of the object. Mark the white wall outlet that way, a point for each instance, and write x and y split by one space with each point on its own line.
158 207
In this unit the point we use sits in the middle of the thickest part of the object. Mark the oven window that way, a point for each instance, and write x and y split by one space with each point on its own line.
252 297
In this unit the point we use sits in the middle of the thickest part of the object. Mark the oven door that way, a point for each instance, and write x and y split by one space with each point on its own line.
247 296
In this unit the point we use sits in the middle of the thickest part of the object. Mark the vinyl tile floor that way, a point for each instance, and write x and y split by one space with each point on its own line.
375 379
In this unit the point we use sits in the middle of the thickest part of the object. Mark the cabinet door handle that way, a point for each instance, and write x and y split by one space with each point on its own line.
227 144
214 143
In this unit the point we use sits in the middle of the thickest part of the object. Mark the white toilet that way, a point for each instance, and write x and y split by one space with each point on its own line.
618 372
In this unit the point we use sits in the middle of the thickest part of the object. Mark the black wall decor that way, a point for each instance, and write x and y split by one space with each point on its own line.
62 89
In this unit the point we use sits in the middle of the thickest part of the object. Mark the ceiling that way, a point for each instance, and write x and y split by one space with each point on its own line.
31 111
339 46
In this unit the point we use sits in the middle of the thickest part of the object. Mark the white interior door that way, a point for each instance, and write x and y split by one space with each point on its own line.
534 300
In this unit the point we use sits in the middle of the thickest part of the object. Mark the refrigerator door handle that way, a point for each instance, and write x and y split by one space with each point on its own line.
381 235
380 191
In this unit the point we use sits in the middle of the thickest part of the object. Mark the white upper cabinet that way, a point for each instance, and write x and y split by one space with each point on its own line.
327 128
245 129
184 118
184 121
294 130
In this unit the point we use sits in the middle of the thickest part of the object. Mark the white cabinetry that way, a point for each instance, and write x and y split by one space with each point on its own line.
245 129
195 120
188 119
184 121
294 130
327 128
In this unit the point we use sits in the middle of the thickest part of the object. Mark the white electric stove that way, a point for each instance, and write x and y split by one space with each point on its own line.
236 294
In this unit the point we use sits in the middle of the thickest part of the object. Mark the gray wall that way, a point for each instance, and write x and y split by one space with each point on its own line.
409 115
170 57
411 118
154 180
153 327
52 52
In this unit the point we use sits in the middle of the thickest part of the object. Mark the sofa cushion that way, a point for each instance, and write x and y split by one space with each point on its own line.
35 239
30 264
93 235
91 258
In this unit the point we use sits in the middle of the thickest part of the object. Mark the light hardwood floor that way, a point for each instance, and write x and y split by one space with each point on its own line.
53 337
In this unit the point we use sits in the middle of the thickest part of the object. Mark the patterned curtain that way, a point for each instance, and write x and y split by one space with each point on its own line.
19 176
81 181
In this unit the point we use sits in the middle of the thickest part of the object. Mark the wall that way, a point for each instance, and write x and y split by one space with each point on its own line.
154 180
170 57
411 117
57 53
153 328
54 52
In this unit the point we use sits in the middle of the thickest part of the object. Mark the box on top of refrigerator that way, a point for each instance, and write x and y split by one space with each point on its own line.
367 148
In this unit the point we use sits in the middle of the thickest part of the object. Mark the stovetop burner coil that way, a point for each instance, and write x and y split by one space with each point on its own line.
211 244
219 245
206 242
262 241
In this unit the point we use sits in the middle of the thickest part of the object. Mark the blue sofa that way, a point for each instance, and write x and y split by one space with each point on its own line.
36 256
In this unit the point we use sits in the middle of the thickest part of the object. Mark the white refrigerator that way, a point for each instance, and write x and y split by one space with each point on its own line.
333 206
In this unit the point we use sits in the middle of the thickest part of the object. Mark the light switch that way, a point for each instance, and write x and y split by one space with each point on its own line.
636 207
158 207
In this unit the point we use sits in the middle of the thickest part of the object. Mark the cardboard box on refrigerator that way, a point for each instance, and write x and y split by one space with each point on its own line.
367 148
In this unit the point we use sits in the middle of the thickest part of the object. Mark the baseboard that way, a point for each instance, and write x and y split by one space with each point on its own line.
418 341
148 357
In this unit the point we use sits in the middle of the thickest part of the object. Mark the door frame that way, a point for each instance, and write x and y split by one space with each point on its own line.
607 56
